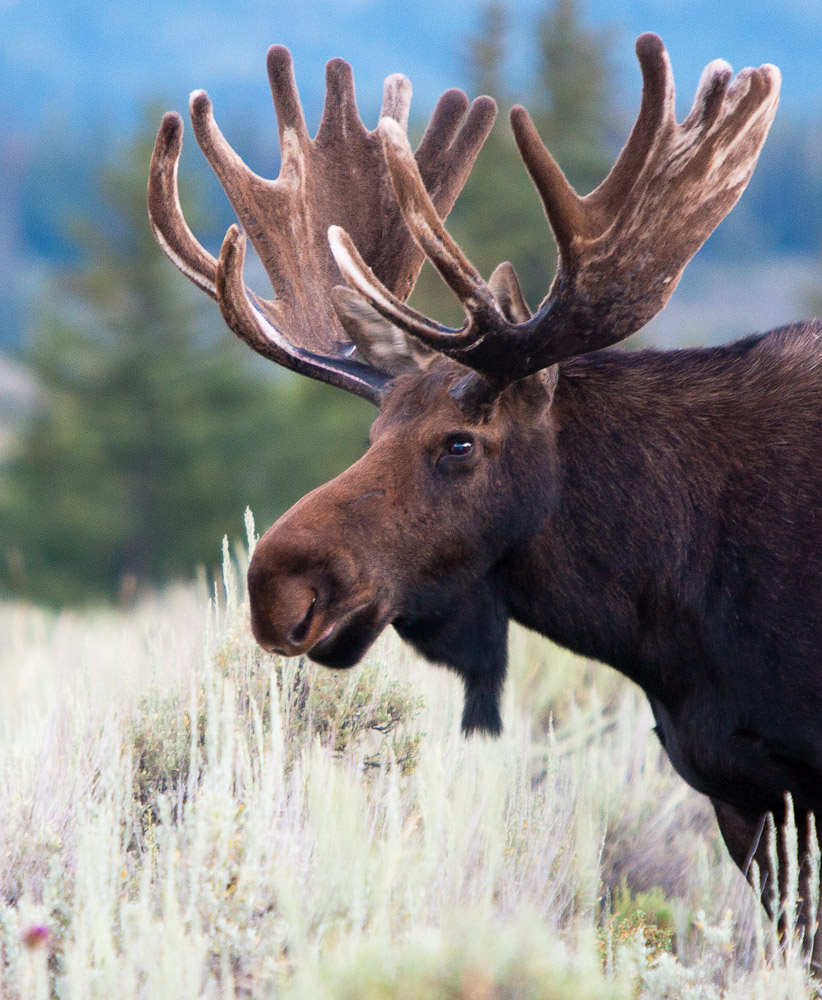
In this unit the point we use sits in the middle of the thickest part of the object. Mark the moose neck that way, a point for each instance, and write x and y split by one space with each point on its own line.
621 569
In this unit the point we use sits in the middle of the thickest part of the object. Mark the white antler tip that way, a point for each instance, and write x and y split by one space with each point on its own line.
717 67
233 247
396 98
337 240
199 102
391 129
772 74
398 81
715 71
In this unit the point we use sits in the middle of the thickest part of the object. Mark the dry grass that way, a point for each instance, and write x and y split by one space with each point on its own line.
185 816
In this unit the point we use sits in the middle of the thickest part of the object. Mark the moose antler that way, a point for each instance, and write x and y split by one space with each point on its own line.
622 248
338 177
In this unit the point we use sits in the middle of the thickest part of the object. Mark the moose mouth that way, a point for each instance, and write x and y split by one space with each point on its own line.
345 641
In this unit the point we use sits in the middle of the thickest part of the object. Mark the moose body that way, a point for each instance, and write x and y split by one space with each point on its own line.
653 510
683 548
660 515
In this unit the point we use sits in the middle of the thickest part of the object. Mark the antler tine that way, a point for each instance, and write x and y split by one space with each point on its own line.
562 204
287 104
361 278
446 141
246 317
166 215
340 110
242 186
474 131
338 178
229 167
622 248
448 113
505 287
427 229
710 93
656 116
396 99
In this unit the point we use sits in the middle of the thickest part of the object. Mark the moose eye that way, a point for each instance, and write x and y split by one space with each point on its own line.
458 455
460 447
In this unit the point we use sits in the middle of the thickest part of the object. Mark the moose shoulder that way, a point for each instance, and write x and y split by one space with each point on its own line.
684 550
655 510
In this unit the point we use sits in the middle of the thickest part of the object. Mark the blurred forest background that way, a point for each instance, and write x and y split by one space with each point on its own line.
134 428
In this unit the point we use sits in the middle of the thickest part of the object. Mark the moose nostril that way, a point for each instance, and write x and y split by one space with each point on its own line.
283 607
299 632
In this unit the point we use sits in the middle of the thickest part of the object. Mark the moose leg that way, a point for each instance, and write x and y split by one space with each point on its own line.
746 837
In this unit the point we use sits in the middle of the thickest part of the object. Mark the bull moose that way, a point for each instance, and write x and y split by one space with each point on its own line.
659 511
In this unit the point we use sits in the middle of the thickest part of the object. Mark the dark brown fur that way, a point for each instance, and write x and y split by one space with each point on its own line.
658 512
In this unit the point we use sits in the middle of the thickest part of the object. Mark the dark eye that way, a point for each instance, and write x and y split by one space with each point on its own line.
459 454
460 447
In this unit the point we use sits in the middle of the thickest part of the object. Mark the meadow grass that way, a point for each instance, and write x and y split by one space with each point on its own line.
185 816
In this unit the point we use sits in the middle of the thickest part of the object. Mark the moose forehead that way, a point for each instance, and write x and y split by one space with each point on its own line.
423 399
427 401
421 410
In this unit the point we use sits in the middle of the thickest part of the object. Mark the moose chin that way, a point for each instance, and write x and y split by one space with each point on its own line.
655 510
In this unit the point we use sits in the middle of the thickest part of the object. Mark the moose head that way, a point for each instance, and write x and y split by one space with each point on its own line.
426 532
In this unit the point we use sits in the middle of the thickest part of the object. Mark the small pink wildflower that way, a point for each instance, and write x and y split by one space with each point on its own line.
36 936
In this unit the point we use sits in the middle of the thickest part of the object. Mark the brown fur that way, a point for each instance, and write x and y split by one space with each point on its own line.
657 512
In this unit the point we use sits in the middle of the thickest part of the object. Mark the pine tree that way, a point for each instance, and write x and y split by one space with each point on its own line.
157 426
499 215
573 108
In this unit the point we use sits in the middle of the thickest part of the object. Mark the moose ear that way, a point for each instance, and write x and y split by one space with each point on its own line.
382 344
505 288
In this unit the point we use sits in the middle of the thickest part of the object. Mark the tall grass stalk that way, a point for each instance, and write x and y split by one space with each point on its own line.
185 816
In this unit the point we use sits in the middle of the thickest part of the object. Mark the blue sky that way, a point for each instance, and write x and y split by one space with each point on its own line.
101 60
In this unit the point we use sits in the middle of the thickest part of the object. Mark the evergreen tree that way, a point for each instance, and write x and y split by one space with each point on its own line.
486 52
574 108
157 427
499 215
